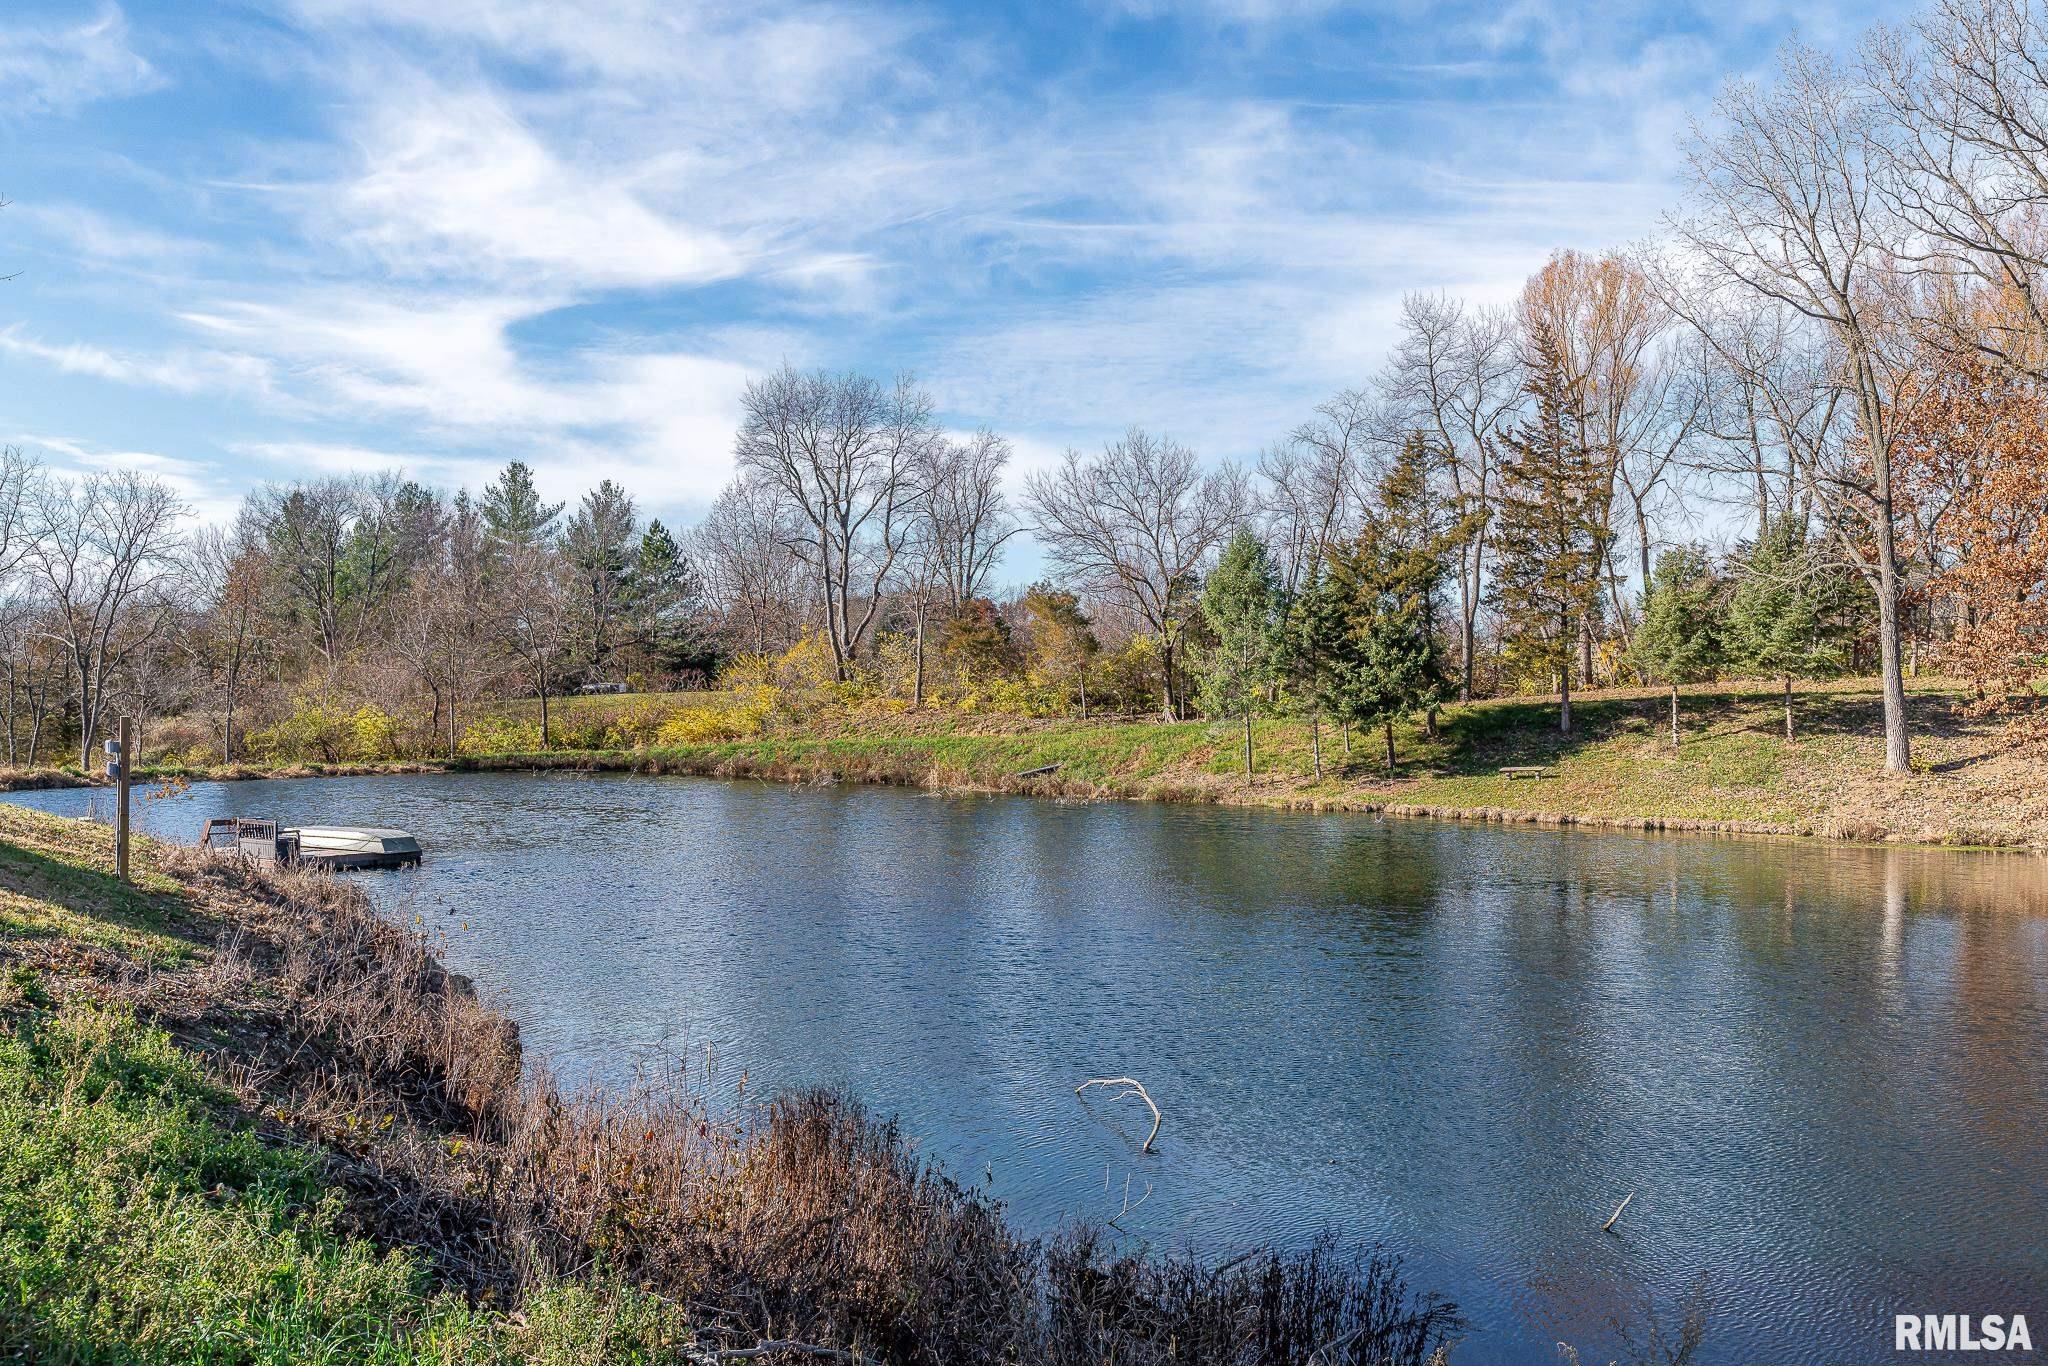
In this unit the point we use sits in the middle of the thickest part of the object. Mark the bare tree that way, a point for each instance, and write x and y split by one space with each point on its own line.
1313 481
847 455
967 519
1134 524
231 571
1456 375
105 548
1965 161
20 478
1770 410
1783 204
536 616
753 578
339 548
26 655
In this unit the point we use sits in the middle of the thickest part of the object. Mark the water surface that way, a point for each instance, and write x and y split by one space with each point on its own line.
1821 1070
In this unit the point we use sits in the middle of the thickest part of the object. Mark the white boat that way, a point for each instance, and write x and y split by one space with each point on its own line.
348 846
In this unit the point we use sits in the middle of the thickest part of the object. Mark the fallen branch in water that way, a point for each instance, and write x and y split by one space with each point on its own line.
763 1349
1131 1088
1617 1211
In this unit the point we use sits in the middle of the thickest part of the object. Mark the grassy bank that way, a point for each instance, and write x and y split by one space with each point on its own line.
242 1118
1975 781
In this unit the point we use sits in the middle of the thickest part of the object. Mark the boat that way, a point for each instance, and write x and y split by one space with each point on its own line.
322 846
349 846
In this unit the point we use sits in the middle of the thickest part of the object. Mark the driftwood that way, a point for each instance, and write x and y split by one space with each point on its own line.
1039 772
1617 1211
1131 1088
765 1349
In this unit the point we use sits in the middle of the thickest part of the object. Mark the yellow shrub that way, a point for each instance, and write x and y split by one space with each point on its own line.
745 718
639 724
500 735
807 665
999 696
323 731
373 733
747 671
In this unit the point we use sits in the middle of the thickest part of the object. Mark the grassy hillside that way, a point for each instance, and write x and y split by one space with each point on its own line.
1975 781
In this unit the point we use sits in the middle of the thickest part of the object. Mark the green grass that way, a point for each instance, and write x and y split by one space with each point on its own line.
138 1224
57 883
1733 768
135 1227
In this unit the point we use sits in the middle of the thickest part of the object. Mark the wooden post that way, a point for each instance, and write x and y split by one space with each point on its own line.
121 783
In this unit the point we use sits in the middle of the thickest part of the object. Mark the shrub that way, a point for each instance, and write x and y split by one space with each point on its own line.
500 735
745 718
328 732
638 724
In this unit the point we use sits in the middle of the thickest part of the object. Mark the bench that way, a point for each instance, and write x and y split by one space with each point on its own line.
1515 771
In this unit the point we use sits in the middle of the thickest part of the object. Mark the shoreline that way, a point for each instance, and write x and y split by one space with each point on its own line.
320 1142
800 760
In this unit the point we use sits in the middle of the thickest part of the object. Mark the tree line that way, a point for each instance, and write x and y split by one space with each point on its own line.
1802 433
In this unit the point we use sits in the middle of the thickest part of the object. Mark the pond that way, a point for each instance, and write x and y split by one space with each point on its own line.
1820 1070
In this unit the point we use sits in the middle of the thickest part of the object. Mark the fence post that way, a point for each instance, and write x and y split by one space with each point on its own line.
121 781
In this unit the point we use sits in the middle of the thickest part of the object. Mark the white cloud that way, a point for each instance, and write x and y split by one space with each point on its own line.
56 69
183 371
83 232
199 484
454 184
660 421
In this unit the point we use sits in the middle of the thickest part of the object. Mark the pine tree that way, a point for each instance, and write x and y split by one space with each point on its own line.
1314 652
1548 531
664 597
1791 613
598 545
1242 605
514 516
1424 530
1680 637
1387 667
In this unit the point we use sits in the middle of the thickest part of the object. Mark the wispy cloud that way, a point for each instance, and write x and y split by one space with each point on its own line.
58 67
183 371
202 486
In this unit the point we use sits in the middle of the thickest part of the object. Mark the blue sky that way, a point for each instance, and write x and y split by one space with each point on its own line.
263 240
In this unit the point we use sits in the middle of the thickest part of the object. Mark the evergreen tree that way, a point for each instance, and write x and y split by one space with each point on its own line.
598 546
1792 614
664 596
1548 531
1313 655
1680 638
1422 530
1387 667
514 516
1241 603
